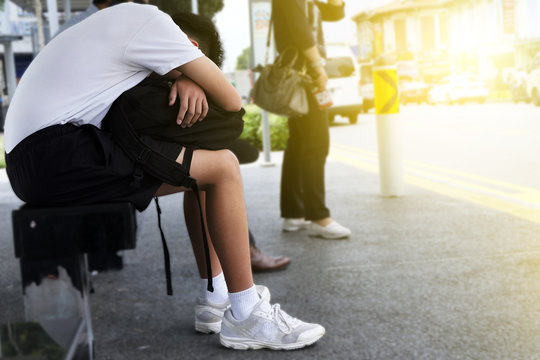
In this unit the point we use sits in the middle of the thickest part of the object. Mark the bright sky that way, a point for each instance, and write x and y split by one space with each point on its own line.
233 25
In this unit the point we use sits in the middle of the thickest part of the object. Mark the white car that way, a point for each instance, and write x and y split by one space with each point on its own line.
533 80
342 70
458 89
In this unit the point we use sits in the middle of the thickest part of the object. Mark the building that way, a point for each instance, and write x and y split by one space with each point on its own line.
527 31
448 36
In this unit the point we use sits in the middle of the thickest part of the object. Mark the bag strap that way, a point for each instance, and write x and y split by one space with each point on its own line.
269 37
281 57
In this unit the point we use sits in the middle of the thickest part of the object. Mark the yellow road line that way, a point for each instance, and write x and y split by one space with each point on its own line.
437 260
477 178
512 199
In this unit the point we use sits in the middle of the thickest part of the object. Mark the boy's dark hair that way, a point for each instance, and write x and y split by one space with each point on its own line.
203 30
100 2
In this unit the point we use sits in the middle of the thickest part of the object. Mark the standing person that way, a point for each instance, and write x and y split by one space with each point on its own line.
56 153
303 200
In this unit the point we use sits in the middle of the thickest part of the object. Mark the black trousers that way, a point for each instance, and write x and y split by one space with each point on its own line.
303 168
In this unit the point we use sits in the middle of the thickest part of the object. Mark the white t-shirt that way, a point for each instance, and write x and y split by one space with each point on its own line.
79 74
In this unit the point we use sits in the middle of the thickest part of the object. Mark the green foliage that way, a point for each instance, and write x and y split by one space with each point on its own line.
252 123
279 131
243 60
206 8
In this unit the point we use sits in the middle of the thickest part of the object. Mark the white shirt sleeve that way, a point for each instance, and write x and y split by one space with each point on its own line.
161 46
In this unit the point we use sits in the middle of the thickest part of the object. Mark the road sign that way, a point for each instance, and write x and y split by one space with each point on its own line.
386 90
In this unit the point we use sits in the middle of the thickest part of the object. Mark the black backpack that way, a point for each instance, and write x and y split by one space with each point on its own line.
151 115
144 110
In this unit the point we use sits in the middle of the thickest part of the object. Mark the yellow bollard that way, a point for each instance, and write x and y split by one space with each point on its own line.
388 127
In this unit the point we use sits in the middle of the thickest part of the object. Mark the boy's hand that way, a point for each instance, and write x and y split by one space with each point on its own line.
193 103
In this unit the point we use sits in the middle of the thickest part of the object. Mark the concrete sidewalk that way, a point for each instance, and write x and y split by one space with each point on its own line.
423 277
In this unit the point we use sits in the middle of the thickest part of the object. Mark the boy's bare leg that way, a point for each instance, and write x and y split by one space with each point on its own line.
218 175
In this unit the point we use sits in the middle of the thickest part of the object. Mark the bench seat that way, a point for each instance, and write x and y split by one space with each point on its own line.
42 232
52 244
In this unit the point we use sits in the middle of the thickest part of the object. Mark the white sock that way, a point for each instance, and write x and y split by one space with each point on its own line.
243 302
220 294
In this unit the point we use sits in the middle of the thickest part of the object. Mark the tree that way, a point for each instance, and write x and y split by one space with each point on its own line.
243 60
207 8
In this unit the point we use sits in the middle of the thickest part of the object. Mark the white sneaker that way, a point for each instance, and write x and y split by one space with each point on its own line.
295 224
268 327
208 315
330 231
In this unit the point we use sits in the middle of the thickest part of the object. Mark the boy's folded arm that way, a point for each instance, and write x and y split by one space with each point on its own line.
194 104
208 76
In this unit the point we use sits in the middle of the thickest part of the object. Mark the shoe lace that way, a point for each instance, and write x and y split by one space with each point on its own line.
285 322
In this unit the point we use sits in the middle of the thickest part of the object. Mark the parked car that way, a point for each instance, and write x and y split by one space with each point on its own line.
533 80
342 70
458 89
518 91
407 70
415 91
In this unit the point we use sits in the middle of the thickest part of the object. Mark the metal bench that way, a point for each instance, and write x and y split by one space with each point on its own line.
52 243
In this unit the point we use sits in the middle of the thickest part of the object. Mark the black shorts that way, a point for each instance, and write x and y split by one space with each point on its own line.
68 164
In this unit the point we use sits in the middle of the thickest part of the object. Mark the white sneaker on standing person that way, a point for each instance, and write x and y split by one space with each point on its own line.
303 193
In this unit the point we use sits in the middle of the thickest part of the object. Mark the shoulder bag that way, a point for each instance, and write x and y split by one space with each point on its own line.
280 88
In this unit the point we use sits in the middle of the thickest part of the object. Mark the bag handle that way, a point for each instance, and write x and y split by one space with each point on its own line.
281 60
269 37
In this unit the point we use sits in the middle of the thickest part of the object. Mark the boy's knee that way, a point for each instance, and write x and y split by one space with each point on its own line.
228 163
212 167
231 159
223 165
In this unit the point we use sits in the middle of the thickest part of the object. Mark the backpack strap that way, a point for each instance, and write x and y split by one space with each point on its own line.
188 155
146 158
